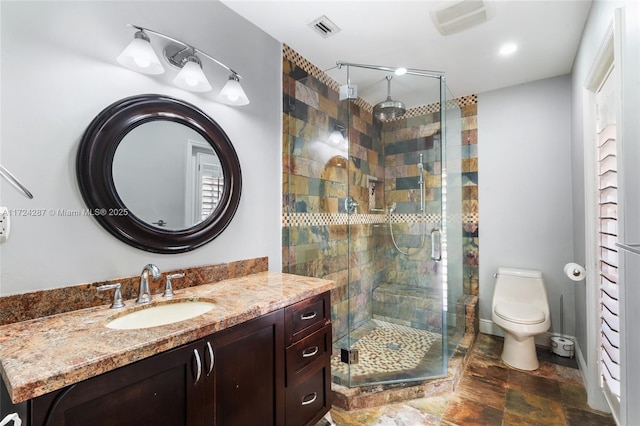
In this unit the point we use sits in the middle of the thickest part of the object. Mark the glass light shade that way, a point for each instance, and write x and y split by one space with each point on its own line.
139 56
232 93
192 78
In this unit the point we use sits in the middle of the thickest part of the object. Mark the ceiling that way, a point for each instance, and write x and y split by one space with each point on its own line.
402 33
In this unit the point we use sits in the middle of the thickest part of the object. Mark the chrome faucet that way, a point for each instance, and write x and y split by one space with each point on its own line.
144 294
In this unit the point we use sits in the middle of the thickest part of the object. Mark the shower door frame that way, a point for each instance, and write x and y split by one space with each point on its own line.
444 356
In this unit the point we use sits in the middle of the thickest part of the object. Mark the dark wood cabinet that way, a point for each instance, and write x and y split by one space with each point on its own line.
162 390
248 374
271 370
308 360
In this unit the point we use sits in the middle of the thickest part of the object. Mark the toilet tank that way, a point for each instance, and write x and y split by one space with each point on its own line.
520 285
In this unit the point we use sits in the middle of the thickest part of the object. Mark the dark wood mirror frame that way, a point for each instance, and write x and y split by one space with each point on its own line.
95 176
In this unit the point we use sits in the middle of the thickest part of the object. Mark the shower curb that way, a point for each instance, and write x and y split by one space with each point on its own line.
349 399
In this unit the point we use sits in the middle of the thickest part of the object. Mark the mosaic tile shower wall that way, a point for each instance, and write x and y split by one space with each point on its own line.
377 169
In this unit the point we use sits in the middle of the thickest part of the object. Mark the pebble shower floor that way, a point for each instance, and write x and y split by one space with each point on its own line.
386 350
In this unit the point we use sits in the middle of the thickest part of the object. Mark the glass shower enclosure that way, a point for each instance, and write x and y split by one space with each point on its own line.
373 200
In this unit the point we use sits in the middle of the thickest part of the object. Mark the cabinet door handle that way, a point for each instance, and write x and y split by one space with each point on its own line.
211 358
196 355
308 316
310 352
309 399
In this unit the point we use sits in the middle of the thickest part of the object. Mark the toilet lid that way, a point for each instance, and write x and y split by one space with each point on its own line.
521 313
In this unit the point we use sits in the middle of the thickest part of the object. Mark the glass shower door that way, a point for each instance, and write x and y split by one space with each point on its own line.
397 290
374 204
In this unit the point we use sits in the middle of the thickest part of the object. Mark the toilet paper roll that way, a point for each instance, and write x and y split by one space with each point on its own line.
574 271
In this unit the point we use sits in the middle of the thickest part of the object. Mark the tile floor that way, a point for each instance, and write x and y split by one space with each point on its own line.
490 393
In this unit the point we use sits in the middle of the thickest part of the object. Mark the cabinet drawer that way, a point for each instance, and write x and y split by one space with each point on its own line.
307 354
306 317
309 401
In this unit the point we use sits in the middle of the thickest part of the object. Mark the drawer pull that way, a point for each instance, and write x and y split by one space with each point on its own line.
308 316
196 355
309 352
212 359
309 399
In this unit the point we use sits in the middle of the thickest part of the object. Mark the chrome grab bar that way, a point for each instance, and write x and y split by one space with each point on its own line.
632 248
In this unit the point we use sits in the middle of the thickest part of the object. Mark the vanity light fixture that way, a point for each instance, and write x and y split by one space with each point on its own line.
139 56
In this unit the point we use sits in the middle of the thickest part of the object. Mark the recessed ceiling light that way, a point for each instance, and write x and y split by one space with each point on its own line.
400 71
508 49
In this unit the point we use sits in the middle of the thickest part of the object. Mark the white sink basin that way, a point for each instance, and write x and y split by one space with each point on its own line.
161 315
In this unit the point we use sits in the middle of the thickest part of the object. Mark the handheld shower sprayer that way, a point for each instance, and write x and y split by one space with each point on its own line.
422 209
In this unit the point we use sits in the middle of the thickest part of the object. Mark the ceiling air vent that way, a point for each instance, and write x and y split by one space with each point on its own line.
455 17
324 26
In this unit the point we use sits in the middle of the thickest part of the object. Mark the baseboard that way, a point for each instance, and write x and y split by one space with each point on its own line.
544 339
582 364
596 397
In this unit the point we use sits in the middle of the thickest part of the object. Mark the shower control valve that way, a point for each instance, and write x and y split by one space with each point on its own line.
350 205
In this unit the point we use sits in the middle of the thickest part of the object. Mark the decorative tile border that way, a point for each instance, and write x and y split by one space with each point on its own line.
327 219
307 66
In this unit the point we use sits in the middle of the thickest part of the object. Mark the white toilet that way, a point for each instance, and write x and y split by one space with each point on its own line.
520 307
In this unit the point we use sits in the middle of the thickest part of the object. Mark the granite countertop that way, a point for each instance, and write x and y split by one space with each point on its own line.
45 354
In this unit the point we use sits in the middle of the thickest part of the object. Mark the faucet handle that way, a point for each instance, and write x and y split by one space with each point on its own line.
117 295
168 289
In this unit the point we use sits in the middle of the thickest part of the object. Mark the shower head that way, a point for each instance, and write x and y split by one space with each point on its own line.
389 109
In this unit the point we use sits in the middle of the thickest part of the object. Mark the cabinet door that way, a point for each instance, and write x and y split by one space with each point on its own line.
248 373
161 390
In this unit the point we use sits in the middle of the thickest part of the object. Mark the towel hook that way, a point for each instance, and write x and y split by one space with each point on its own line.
15 182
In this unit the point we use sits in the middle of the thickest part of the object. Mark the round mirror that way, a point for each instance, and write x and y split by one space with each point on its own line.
159 174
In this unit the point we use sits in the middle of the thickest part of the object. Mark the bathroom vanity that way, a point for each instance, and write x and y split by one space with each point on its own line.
262 357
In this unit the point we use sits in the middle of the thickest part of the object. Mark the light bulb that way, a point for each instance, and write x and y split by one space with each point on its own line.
142 62
139 56
191 77
232 93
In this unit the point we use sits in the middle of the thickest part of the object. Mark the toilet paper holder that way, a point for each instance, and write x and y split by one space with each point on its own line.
574 271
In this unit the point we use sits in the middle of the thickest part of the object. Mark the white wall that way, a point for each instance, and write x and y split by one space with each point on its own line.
524 189
59 71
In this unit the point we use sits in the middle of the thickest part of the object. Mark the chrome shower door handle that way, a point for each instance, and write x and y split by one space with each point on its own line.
436 253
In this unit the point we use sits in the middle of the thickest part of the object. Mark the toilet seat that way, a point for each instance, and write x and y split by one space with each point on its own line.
520 313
